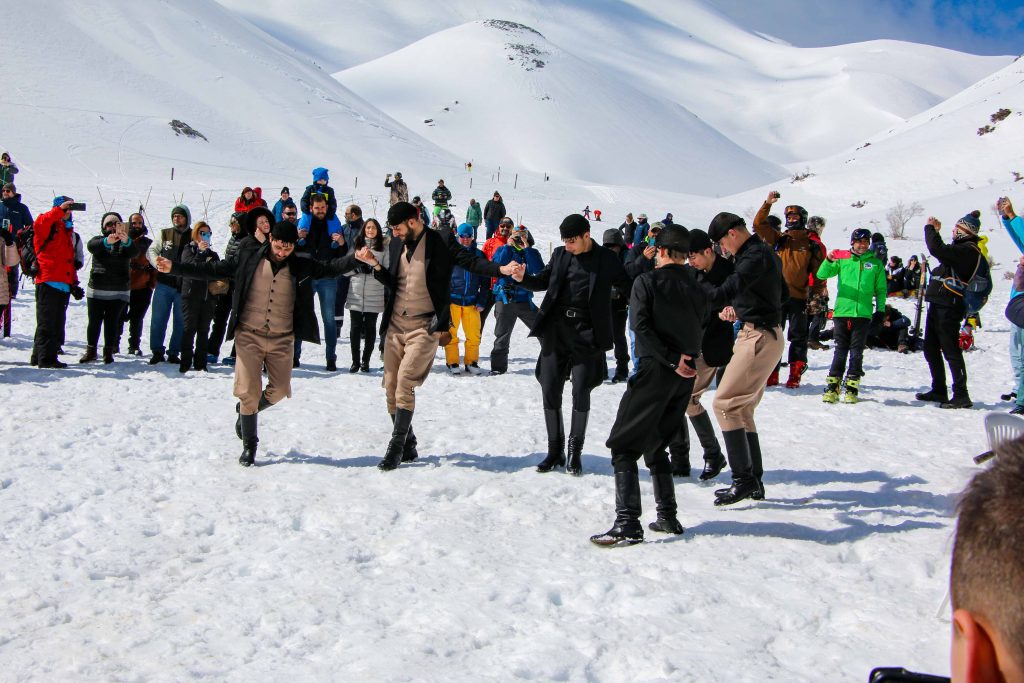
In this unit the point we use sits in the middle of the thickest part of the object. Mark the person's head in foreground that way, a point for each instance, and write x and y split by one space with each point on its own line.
987 575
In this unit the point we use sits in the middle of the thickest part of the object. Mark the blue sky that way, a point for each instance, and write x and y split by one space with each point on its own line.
986 27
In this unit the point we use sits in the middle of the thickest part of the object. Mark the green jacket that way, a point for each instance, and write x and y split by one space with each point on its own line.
861 279
474 216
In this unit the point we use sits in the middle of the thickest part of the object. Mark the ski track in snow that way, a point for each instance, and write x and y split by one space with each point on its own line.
135 548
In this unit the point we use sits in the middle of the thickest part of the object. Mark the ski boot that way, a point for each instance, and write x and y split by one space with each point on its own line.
851 387
796 371
831 390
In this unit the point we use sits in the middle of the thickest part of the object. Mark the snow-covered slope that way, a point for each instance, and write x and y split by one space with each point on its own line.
92 88
502 92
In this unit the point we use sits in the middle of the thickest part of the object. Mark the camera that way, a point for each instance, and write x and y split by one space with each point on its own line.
77 206
777 194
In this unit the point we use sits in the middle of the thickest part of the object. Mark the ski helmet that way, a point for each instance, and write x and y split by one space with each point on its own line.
860 234
800 211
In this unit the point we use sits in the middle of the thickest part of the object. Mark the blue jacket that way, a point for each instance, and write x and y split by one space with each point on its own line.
17 213
468 289
279 208
640 231
506 290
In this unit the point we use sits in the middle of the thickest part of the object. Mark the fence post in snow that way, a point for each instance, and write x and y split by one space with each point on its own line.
357 181
172 173
516 183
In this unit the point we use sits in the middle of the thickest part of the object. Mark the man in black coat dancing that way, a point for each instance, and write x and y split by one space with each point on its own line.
574 324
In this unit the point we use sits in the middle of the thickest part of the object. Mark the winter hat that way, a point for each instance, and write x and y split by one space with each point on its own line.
657 226
320 173
722 223
254 214
816 223
573 225
60 199
285 189
466 230
699 240
103 220
970 223
401 212
285 232
641 217
877 238
398 175
613 238
182 210
674 237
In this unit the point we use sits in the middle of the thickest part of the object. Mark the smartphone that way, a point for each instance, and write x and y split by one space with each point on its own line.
7 224
841 253
78 206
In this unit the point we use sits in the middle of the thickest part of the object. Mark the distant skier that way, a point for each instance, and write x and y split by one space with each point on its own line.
440 196
586 212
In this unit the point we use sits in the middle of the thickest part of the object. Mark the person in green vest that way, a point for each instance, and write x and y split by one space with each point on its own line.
861 294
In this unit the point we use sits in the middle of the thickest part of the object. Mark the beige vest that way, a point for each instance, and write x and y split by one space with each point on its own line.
270 306
411 296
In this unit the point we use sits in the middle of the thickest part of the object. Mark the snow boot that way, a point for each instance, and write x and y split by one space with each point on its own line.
158 357
756 466
933 396
108 356
249 440
773 379
396 447
1009 396
679 450
556 441
665 502
621 373
831 394
185 362
744 484
959 400
627 529
89 355
354 368
454 369
796 370
851 389
577 433
173 358
474 369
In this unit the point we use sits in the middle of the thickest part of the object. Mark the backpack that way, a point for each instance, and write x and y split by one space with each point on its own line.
976 290
27 250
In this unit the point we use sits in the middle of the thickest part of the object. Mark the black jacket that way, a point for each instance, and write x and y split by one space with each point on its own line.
332 199
494 211
956 259
718 335
111 269
441 257
636 262
756 288
609 272
241 268
627 230
668 310
196 289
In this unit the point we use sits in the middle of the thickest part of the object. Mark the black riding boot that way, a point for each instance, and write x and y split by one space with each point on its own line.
744 485
714 461
679 450
396 447
577 434
556 441
756 466
665 501
264 404
627 529
409 453
249 440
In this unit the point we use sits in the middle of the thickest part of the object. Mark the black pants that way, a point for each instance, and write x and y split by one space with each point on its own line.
197 313
815 326
619 320
942 339
504 322
51 312
135 315
851 335
568 350
650 415
363 330
221 313
796 317
107 313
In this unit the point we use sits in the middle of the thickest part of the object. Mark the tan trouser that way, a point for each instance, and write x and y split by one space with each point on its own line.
252 350
408 355
705 376
754 356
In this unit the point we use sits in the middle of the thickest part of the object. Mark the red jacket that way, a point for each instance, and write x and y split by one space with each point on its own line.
257 200
56 255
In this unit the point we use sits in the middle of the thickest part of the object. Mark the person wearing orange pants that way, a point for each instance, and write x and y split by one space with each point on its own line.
468 292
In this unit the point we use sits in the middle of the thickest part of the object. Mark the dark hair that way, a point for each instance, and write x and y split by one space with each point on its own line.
375 243
354 208
317 197
775 221
987 573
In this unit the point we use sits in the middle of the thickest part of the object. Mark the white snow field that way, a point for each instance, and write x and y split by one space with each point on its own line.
134 548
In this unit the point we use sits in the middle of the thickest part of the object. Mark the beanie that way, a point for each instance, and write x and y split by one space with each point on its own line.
180 210
573 225
103 220
401 212
699 240
722 223
285 232
285 189
60 199
613 238
971 222
674 237
466 230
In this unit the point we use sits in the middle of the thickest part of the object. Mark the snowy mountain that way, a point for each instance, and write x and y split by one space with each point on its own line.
502 92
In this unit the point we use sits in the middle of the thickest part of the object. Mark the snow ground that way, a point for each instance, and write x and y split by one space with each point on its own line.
135 548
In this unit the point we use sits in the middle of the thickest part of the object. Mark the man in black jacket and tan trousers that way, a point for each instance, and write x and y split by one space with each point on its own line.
753 294
574 323
668 310
417 317
272 303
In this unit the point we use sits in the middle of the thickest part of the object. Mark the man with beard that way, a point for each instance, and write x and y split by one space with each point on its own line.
323 238
272 304
418 316
574 324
